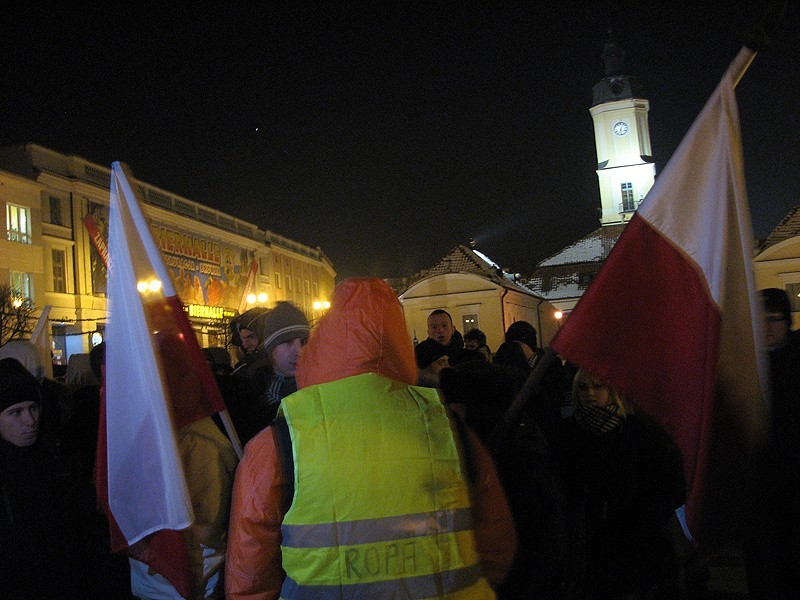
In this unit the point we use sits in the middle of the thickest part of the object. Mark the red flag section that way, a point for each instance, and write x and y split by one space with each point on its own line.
156 381
673 321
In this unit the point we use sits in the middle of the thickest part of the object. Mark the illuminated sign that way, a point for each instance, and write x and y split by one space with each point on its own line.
201 311
186 245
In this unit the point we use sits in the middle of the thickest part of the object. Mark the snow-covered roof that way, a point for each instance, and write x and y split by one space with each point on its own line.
590 248
465 260
787 228
568 273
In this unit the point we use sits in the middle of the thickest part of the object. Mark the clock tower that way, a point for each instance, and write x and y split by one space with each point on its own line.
625 168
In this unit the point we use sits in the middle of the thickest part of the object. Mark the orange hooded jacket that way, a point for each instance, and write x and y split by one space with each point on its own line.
364 332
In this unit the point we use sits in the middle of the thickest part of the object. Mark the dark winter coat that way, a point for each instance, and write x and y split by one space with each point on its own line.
622 488
48 525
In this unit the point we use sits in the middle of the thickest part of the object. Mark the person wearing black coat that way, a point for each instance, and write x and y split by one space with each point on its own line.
623 479
47 515
481 393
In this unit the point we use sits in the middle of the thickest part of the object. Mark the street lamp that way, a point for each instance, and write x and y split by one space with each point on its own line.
151 285
260 298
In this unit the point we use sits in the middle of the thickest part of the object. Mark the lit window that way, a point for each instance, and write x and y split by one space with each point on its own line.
18 223
469 322
21 284
793 289
59 272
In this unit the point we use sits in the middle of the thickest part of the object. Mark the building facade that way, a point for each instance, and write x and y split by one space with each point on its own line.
54 251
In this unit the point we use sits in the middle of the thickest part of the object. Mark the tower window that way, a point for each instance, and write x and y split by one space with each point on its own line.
628 204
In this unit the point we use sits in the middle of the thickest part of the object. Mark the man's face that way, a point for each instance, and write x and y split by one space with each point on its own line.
285 355
471 344
440 328
776 331
249 340
19 423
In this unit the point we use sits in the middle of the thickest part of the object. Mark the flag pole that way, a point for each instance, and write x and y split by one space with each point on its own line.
759 38
741 63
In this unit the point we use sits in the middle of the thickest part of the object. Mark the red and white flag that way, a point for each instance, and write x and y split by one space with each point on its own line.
156 380
673 319
249 286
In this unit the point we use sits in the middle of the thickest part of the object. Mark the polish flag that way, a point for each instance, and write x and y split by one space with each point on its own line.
673 319
156 381
249 286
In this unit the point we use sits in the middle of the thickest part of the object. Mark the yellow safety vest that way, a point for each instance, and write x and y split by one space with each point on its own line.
381 505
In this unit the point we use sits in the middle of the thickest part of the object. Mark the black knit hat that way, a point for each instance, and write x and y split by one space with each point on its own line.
251 319
522 331
428 352
283 323
777 301
17 384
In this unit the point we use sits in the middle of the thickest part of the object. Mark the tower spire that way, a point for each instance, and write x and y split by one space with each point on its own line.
613 57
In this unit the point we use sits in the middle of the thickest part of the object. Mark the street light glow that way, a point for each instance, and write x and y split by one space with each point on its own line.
152 285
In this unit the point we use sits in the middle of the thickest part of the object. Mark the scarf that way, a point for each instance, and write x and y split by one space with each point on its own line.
598 419
280 387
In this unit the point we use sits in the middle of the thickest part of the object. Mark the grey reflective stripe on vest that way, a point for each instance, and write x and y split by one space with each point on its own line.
422 586
368 531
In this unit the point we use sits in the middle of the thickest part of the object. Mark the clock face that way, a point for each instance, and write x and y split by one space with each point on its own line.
620 128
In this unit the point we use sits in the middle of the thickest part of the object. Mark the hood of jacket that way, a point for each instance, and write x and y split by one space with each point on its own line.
364 331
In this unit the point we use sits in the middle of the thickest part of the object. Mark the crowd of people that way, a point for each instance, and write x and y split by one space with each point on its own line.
374 468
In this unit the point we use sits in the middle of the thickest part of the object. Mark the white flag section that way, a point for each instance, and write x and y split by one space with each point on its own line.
673 320
146 487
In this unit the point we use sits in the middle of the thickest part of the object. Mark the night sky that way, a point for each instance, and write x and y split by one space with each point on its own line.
387 135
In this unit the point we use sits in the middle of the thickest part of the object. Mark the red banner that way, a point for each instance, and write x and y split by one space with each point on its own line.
97 239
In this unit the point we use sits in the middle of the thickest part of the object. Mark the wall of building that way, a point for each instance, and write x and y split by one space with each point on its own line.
466 297
779 266
208 253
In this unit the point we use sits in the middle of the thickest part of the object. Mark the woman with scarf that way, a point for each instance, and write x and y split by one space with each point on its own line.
623 478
